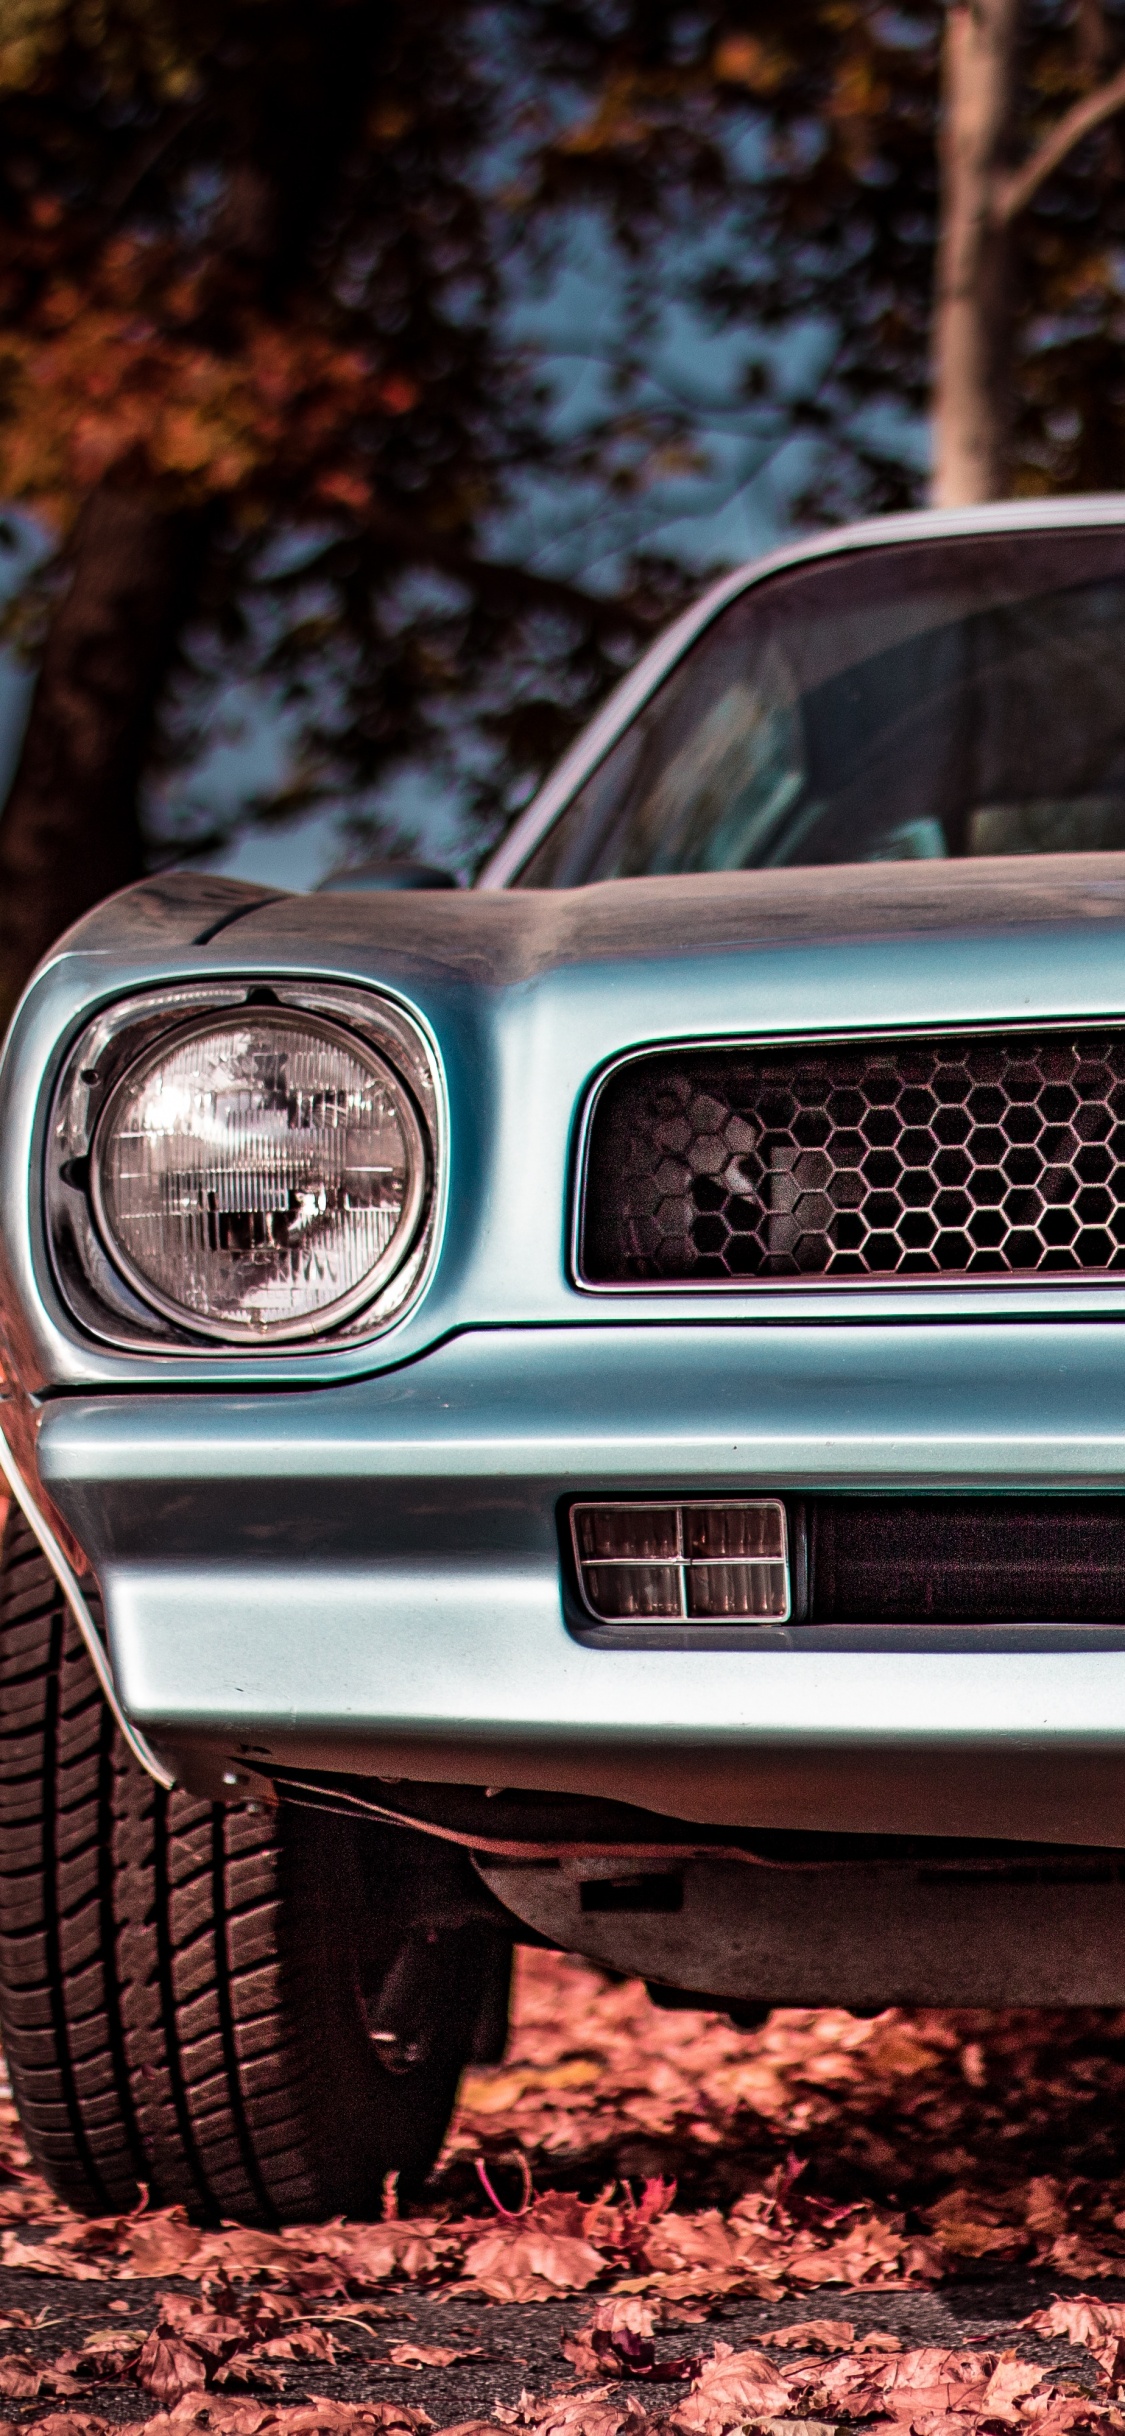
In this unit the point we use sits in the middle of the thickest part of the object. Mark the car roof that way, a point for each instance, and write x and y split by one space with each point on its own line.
876 532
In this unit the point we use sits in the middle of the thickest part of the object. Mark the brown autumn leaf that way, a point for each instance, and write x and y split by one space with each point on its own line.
591 2344
1073 2255
933 2380
596 2413
223 2415
170 2368
324 2418
301 2343
208 2328
248 2368
970 2227
109 2352
431 2355
21 2380
627 2311
1012 2380
1044 2206
617 2340
796 2427
702 2241
68 2423
732 2386
220 2414
813 2334
473 2427
363 2256
236 2251
1095 2325
529 2259
161 2242
27 2198
849 2384
1075 2415
54 2256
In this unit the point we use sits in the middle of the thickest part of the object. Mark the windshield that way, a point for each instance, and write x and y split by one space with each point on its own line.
924 699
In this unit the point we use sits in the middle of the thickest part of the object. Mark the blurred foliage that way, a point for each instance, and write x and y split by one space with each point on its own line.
808 131
257 258
248 268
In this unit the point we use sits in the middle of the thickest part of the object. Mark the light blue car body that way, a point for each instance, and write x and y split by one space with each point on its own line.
348 1558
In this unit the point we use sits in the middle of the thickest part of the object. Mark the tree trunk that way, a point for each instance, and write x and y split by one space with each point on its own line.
70 832
972 316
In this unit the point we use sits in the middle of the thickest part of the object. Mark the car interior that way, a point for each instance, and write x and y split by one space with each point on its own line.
950 698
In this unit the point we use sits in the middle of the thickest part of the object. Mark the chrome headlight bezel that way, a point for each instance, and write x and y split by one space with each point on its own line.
91 1273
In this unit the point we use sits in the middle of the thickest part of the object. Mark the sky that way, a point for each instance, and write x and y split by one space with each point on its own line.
725 498
733 505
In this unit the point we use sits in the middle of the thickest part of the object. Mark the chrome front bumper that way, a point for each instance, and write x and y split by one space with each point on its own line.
368 1578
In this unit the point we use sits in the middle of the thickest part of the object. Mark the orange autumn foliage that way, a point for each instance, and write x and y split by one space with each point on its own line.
105 377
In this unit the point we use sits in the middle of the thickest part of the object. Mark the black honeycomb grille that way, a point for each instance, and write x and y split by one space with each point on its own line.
960 1156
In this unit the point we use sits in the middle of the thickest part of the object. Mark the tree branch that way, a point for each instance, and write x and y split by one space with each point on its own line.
500 581
1014 193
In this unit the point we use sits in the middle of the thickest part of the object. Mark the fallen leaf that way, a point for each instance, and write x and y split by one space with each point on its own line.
966 2225
591 2347
1011 2381
529 2261
731 2387
1084 2320
224 2416
431 2355
73 2423
170 2369
21 2380
598 2413
814 2334
473 2427
302 2343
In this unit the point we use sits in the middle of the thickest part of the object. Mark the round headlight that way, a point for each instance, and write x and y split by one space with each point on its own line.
259 1175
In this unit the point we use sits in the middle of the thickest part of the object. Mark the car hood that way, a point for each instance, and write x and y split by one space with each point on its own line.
510 936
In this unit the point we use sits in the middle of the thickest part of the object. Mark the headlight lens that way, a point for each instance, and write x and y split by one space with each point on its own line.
260 1175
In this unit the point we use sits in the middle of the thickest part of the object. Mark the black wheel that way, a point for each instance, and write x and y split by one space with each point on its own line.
241 2007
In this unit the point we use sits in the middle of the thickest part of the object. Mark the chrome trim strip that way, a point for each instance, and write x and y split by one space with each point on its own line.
931 1281
95 1648
923 524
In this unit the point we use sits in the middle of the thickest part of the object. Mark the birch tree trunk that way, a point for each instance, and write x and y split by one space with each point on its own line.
972 313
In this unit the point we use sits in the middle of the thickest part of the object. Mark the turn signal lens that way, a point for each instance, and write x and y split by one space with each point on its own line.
722 1562
260 1175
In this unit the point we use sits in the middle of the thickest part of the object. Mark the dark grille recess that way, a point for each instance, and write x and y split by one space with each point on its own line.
964 1155
946 1560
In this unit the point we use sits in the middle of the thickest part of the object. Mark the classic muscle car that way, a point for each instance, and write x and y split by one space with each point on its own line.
589 1409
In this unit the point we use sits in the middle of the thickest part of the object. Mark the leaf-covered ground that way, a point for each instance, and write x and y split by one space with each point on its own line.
914 2222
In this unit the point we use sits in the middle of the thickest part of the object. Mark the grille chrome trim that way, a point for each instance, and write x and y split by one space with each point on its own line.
1033 1282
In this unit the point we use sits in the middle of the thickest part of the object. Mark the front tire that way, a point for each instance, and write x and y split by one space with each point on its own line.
187 1989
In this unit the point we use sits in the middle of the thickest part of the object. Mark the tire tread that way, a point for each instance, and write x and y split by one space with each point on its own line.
179 2001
